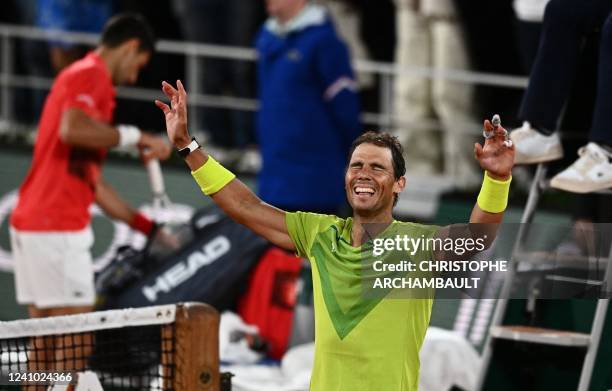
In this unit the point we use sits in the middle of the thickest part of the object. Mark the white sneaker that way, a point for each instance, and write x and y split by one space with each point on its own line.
591 172
532 146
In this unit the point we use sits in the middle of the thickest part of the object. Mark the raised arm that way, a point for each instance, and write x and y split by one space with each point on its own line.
496 158
235 198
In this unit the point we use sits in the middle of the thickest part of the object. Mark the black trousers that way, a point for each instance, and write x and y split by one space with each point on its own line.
566 23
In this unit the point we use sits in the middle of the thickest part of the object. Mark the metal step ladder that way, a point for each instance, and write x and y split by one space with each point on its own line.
590 341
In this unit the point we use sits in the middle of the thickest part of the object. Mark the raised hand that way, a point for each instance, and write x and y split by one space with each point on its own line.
496 157
176 114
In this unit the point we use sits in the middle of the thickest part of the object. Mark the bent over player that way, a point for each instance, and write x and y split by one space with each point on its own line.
50 227
359 344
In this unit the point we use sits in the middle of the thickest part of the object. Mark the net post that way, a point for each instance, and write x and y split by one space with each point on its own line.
196 362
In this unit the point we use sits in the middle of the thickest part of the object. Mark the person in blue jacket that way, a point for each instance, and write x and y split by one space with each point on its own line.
75 15
309 108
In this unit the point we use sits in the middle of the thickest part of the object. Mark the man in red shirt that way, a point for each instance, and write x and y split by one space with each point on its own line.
50 227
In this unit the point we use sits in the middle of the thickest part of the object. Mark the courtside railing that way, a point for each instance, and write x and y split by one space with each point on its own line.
384 119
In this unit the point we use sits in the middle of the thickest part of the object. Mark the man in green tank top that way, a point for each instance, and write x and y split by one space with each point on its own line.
361 343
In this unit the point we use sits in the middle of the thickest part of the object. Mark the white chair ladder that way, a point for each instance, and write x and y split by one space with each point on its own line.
590 341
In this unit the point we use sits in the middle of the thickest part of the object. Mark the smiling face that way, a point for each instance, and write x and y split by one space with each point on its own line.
370 182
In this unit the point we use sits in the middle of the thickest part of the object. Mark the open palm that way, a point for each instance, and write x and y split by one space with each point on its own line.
495 156
175 114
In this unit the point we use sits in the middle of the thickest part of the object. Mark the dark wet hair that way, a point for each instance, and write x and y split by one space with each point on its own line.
123 27
384 140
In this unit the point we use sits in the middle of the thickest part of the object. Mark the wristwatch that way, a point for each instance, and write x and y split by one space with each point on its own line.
192 146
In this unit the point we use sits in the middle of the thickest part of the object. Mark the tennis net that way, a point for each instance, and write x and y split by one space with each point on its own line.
169 347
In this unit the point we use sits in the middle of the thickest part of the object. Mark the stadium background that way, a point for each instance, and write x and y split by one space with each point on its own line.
127 175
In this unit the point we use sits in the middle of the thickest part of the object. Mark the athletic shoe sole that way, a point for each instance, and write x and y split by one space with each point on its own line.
522 159
579 188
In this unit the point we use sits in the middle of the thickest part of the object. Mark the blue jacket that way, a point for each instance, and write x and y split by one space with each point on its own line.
308 116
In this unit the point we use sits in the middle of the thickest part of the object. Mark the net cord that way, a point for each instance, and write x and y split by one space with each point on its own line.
80 323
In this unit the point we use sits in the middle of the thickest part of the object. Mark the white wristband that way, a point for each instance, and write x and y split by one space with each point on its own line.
129 136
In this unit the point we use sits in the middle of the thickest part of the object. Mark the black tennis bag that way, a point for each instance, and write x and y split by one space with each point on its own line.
213 267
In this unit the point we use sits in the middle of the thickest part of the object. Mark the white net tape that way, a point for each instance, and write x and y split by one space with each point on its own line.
101 320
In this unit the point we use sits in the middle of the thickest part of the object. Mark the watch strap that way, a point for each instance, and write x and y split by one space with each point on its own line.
192 146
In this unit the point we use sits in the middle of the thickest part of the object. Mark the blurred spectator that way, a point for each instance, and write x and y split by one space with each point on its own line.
431 35
378 27
31 59
566 22
222 22
529 11
368 28
347 19
163 66
11 14
71 15
490 27
309 108
530 14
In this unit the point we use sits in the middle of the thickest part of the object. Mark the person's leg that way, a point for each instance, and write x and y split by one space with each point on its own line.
452 102
240 33
59 353
204 22
565 23
40 357
593 169
528 34
64 285
215 72
54 276
601 128
71 352
412 94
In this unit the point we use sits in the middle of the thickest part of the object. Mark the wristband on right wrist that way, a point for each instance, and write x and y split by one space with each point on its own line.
493 197
212 176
